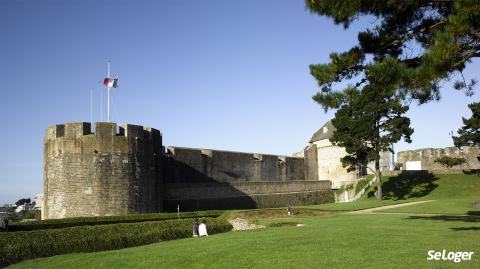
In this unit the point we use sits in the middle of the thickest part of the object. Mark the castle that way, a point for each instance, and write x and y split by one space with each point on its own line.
113 171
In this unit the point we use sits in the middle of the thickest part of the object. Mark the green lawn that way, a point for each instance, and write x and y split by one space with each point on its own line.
454 194
326 241
358 205
342 241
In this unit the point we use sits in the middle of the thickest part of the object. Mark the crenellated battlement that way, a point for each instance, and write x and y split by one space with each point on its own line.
103 129
77 137
108 170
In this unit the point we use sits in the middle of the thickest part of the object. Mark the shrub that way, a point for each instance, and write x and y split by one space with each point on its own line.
18 246
84 221
31 214
450 162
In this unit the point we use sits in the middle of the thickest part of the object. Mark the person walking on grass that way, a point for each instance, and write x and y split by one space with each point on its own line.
4 222
202 229
195 228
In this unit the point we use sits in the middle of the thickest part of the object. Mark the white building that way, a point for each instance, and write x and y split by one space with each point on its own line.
38 200
322 159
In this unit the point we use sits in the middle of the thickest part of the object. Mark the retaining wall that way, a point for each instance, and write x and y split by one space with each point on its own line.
242 195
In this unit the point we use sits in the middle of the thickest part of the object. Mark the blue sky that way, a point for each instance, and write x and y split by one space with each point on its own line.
216 74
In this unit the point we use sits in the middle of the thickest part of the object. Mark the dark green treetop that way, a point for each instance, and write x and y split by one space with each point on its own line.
431 40
469 134
370 120
23 201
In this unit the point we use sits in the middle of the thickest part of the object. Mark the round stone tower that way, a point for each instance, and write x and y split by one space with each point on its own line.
103 172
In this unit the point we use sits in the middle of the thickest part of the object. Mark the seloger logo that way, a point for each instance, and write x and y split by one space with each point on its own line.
449 256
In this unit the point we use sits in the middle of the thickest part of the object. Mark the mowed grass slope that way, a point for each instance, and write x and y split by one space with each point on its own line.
453 194
342 241
326 241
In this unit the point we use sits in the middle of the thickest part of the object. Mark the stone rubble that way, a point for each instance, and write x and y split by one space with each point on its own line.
242 224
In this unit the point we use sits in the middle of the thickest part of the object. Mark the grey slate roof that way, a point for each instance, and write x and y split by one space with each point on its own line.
325 132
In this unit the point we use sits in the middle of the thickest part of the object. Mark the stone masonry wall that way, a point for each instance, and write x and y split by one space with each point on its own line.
329 164
200 179
311 162
227 166
427 157
240 195
106 172
101 173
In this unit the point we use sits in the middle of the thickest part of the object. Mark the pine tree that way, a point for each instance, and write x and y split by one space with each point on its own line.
370 120
413 46
431 40
469 134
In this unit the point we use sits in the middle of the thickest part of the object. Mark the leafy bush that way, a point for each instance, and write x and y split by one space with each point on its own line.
450 162
83 221
31 214
18 246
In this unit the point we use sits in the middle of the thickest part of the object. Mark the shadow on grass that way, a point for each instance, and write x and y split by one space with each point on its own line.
471 171
408 184
472 216
466 229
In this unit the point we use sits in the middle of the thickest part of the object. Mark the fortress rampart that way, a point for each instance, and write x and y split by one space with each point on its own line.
103 172
427 157
216 179
243 195
228 166
111 172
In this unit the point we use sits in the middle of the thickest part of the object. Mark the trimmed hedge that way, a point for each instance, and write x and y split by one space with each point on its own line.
83 221
18 246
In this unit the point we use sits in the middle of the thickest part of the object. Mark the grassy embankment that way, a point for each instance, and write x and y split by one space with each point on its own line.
453 194
326 241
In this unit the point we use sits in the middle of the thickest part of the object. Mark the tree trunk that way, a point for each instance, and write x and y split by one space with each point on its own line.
378 177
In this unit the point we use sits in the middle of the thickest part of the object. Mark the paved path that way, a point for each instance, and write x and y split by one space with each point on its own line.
373 210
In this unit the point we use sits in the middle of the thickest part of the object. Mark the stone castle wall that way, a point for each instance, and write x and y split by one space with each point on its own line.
214 179
243 195
228 166
329 165
427 157
311 162
101 173
106 172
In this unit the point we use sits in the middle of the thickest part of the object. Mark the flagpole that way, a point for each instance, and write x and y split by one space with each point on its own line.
108 92
101 106
91 105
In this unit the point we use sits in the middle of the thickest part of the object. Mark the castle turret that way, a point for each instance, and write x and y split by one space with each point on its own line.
103 172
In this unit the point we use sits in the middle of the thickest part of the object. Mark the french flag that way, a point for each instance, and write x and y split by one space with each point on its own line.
110 82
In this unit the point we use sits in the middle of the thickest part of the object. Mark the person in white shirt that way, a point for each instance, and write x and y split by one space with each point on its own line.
202 229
